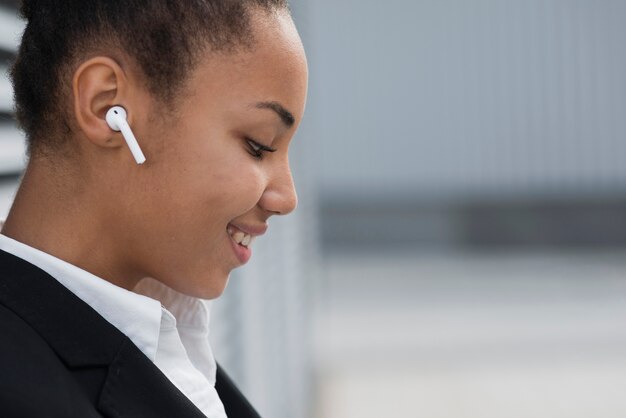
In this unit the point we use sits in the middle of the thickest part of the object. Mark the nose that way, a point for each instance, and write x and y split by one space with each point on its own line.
280 196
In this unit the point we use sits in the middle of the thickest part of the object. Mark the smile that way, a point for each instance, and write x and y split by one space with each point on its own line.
240 237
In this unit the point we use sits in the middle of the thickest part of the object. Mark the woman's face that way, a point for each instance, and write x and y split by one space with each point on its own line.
206 182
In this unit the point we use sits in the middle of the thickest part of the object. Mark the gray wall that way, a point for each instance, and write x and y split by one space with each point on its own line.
457 98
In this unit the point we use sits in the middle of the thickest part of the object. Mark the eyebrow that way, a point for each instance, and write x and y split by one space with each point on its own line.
285 115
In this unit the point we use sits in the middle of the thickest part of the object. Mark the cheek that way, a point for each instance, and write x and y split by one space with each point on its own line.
205 182
220 191
238 190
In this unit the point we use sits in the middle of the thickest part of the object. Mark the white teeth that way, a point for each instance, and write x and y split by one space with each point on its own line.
240 237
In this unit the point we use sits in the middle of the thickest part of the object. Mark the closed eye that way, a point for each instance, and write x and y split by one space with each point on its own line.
256 149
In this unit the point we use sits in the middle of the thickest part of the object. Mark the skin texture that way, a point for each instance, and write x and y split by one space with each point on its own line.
93 206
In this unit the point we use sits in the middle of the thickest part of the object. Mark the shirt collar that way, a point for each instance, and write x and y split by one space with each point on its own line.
188 311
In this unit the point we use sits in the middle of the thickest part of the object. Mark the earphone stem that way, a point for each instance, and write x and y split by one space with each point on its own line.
132 143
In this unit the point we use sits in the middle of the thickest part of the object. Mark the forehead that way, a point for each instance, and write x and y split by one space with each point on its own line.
274 68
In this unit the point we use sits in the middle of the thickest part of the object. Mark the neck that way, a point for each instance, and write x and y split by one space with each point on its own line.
54 213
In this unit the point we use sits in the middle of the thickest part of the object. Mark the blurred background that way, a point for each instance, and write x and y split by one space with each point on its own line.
459 249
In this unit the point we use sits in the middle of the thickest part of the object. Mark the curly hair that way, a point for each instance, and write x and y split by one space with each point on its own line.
165 38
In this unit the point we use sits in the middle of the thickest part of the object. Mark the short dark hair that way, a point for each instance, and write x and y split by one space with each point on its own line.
165 38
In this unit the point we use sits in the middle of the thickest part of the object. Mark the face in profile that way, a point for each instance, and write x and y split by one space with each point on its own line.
220 170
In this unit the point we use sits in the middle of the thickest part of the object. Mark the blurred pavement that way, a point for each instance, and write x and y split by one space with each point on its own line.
472 335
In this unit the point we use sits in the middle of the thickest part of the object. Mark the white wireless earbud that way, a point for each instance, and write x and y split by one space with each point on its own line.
116 119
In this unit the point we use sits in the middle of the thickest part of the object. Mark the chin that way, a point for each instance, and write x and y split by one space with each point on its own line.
202 282
212 290
209 288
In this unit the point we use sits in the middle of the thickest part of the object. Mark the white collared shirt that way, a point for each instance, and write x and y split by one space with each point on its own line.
170 328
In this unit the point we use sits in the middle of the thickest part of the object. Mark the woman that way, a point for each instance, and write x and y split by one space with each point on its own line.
214 91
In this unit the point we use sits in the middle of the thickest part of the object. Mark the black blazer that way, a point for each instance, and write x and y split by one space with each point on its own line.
59 358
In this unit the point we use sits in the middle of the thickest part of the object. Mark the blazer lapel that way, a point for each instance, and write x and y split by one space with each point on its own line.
82 338
136 387
235 404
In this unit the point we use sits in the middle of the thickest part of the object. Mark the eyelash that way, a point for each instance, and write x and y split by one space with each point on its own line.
257 149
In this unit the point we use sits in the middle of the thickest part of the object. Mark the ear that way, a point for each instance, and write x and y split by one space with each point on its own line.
98 84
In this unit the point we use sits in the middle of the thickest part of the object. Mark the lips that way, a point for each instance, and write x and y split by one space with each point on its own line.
241 238
243 253
251 229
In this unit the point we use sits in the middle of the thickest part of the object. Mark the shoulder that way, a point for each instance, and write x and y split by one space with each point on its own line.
22 350
33 381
